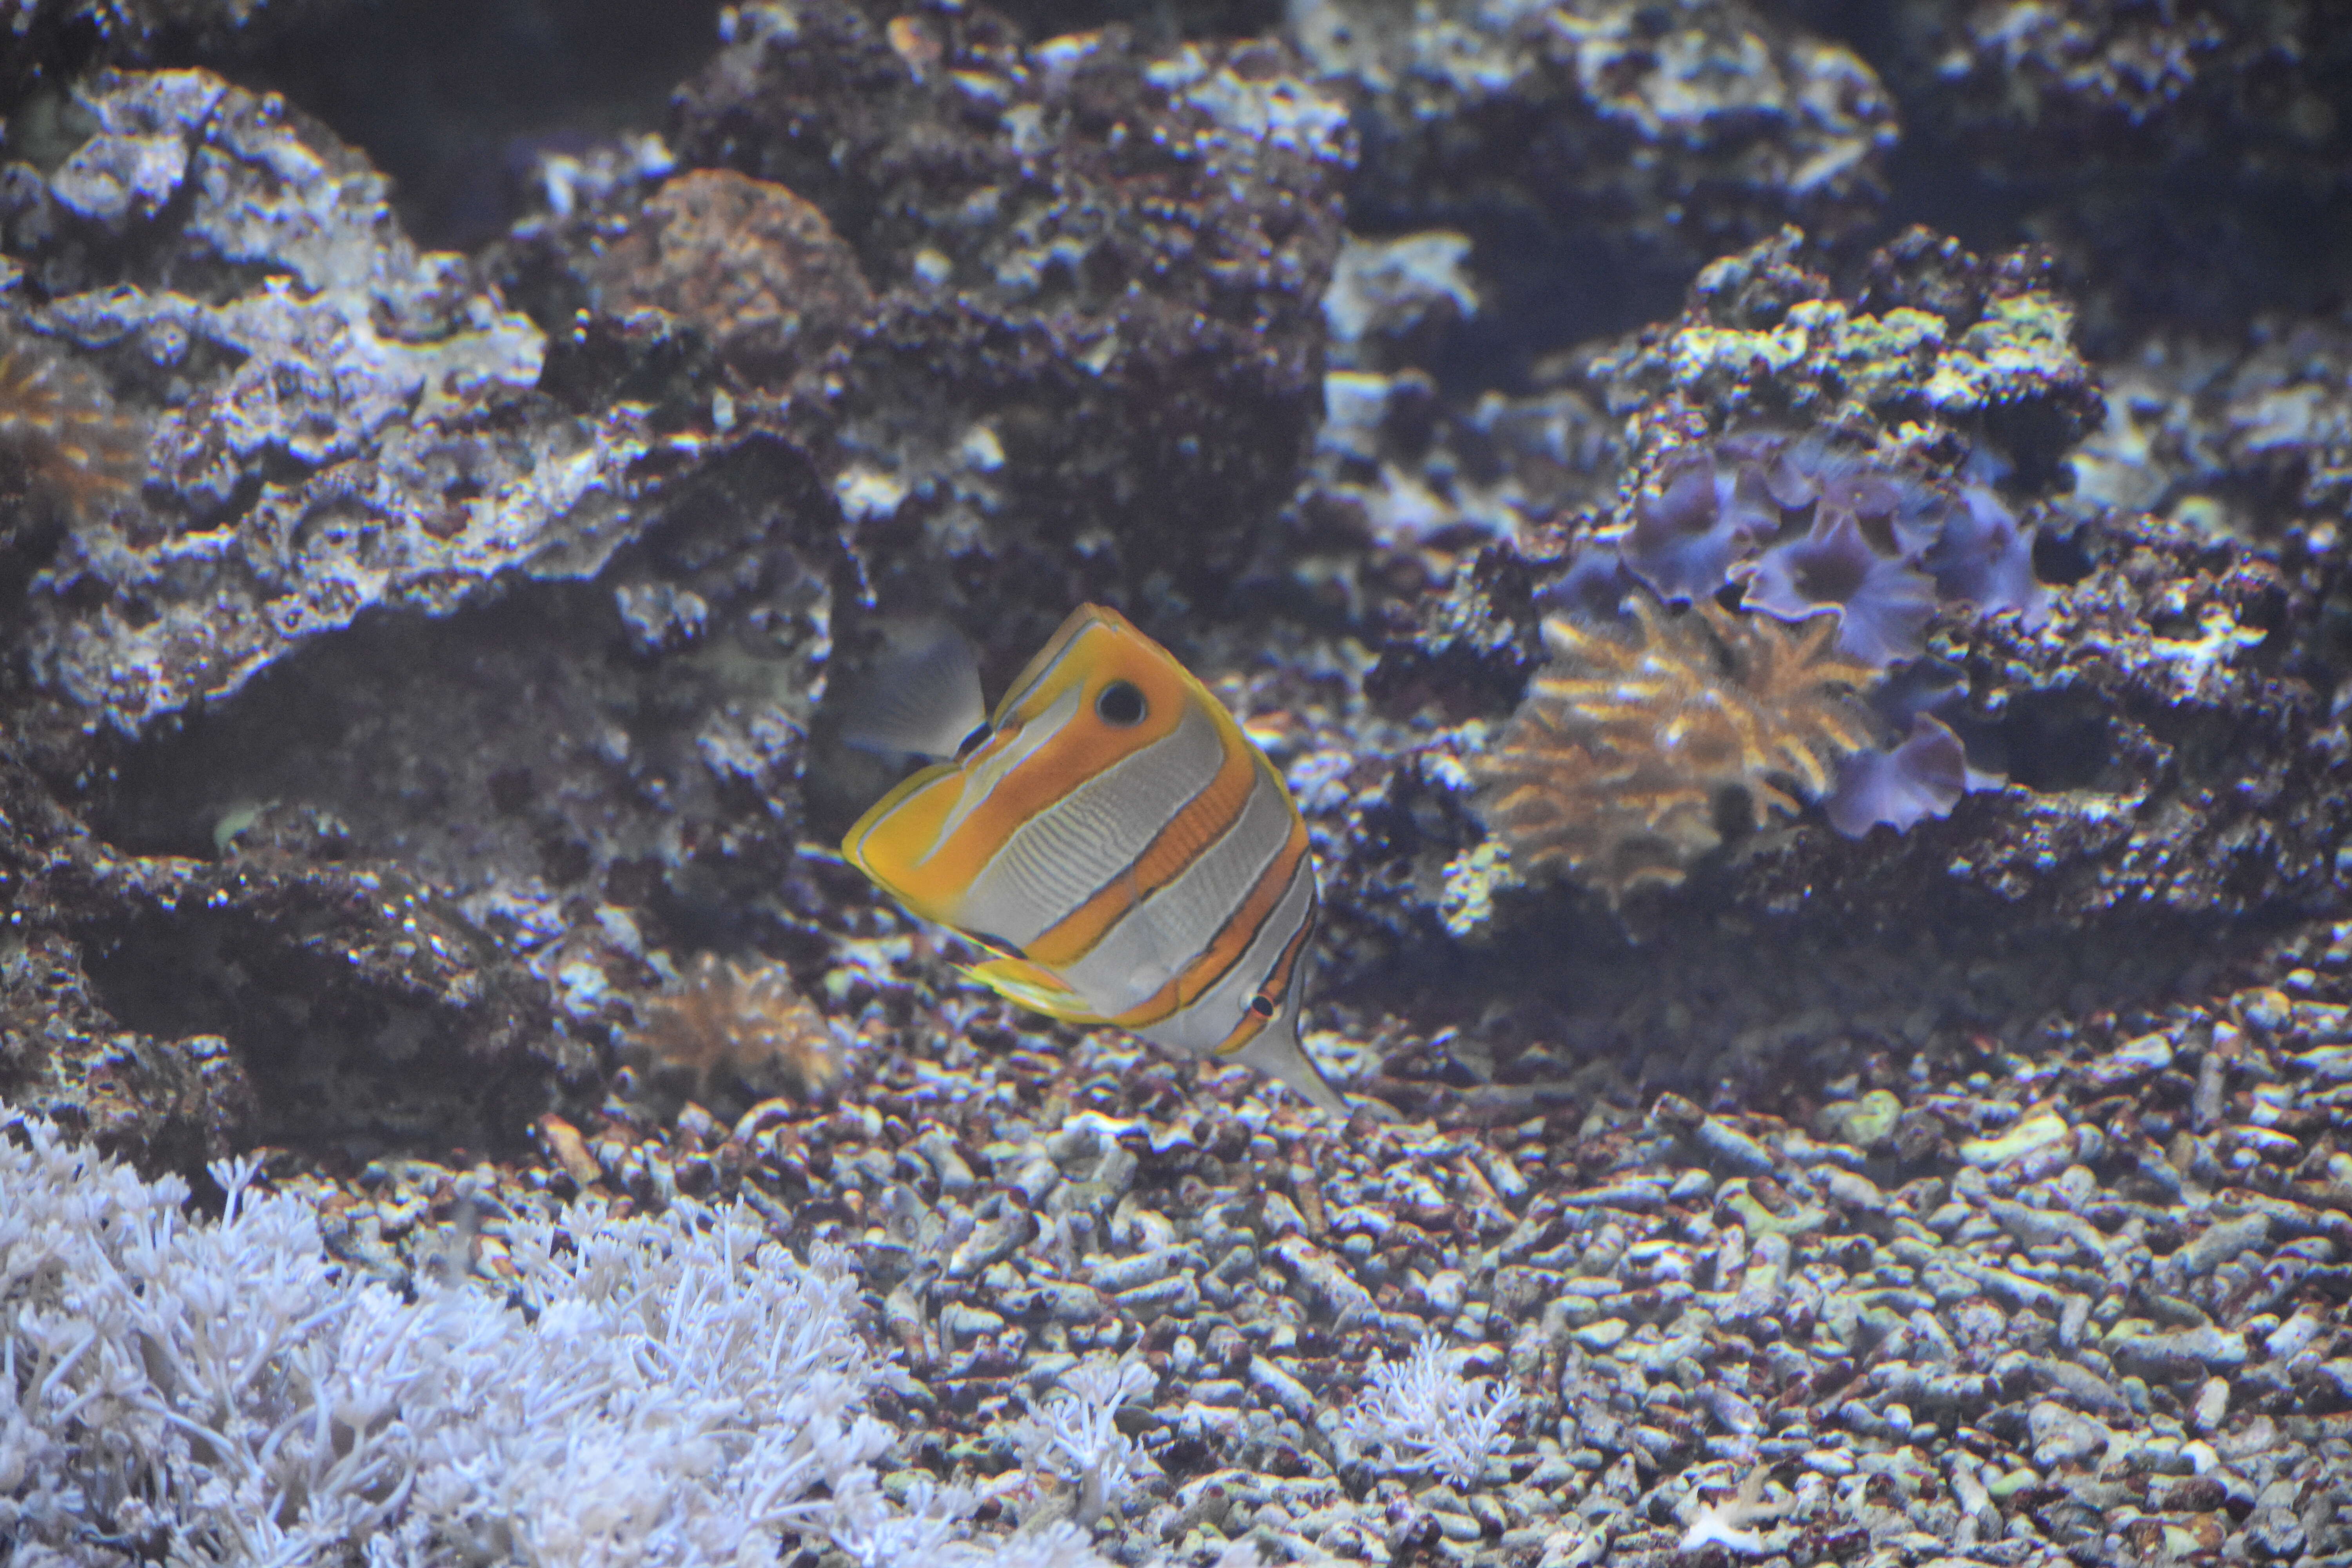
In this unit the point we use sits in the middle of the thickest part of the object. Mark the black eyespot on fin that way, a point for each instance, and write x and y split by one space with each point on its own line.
1120 704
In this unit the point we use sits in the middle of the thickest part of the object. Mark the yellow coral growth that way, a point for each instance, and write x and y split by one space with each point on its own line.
728 1028
63 445
1619 765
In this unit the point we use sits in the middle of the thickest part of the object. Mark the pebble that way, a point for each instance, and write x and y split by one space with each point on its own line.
1728 1145
1178 1295
2331 1063
2062 1435
2127 1063
2167 1352
2291 1338
2225 1240
2212 1406
1854 1190
2081 1384
2040 1131
1639 1195
1286 1390
964 1321
2044 1227
1117 1273
1061 1300
1603 1336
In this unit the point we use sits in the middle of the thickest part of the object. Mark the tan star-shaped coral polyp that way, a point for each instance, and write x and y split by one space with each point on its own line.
64 447
727 1030
1632 749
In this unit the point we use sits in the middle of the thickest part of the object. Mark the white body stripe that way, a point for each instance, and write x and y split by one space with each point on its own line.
1063 856
1213 1017
981 780
1144 951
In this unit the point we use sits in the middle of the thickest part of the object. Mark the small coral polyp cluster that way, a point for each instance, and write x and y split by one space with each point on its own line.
725 1028
64 447
1631 753
1632 749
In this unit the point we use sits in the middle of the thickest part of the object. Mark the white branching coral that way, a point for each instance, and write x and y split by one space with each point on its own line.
658 1390
1075 1436
1725 1522
1426 1416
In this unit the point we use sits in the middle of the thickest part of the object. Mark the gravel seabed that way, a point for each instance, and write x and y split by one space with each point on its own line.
1986 1306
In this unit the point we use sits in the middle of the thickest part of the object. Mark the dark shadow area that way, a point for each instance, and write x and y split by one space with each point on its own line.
2048 740
1545 291
1689 996
339 1067
456 101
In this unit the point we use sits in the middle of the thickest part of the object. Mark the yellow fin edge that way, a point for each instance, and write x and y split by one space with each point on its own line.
1018 981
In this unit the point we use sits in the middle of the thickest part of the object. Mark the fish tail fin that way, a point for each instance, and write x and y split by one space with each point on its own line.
1039 990
1276 1052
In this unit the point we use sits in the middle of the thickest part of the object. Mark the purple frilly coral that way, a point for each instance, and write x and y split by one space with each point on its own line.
1925 776
1882 605
1922 775
1983 555
1814 532
1705 517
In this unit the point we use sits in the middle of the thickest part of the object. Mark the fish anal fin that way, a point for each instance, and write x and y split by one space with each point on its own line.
1039 990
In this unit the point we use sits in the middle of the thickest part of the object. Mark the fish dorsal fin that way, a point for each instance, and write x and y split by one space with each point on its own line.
920 695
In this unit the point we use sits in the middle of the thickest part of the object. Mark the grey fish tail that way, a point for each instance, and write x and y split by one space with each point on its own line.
1277 1053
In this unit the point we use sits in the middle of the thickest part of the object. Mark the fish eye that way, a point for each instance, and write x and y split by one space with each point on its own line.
972 742
1120 704
1262 1004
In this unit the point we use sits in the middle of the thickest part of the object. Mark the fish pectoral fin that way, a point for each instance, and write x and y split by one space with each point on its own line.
1039 990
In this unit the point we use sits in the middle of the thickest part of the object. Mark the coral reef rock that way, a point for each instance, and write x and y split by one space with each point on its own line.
1673 132
1096 354
2026 90
1940 355
341 422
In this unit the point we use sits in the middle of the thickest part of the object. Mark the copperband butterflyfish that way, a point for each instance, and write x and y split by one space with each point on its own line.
1111 835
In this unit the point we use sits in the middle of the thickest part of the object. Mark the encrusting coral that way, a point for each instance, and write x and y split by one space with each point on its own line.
729 1026
1620 766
